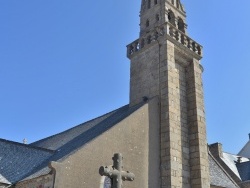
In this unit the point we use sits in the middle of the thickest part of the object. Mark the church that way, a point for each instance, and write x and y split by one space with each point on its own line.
158 140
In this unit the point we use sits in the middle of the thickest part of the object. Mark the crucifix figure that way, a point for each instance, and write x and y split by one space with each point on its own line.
116 174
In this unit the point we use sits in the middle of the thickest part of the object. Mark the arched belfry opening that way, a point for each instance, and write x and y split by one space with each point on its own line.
171 17
181 25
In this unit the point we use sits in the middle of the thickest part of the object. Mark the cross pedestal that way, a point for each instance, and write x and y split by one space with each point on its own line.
116 174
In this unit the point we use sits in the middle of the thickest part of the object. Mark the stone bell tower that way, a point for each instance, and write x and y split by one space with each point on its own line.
165 63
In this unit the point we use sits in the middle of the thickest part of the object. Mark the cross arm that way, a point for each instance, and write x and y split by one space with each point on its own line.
107 171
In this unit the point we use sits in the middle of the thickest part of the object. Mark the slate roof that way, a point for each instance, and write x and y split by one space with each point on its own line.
56 141
230 161
218 176
244 170
16 160
71 140
245 151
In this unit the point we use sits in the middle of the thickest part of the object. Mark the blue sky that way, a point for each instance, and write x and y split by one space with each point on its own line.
64 62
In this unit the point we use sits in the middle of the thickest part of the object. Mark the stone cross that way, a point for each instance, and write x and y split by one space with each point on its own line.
116 174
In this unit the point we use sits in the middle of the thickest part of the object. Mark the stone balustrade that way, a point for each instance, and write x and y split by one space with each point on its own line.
171 31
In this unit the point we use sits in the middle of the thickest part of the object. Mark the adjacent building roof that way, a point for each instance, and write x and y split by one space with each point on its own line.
230 160
236 166
16 160
218 176
245 151
244 170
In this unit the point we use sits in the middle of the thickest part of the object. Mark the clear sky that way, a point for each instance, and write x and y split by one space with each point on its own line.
64 62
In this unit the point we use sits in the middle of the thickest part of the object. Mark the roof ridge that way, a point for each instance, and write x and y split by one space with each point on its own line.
33 143
26 145
243 162
236 155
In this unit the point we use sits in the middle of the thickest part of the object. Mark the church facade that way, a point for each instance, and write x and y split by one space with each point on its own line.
158 140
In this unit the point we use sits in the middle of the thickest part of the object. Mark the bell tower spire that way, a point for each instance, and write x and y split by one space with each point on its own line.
156 12
165 63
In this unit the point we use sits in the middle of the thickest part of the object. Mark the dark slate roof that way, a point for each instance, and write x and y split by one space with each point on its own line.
56 141
16 160
76 141
218 176
244 170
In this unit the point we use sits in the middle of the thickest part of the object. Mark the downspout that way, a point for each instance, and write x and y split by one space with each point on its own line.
52 165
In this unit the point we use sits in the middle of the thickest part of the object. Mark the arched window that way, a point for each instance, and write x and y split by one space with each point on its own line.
181 25
149 4
142 43
157 17
156 1
171 17
149 38
156 35
147 23
177 4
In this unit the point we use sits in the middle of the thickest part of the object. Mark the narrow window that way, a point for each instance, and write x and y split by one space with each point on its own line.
156 1
157 17
172 2
142 43
149 4
149 39
147 23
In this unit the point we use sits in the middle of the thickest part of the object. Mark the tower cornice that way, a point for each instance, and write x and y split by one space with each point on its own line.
169 32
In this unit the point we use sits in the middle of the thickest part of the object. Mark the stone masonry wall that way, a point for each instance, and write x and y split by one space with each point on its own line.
157 71
165 67
197 127
144 75
175 168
